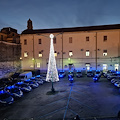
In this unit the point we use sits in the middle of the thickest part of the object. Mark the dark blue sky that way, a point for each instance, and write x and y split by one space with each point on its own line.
58 13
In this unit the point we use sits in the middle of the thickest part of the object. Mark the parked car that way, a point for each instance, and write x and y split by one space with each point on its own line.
24 87
32 83
39 77
98 73
6 81
62 74
14 91
90 73
70 74
5 98
114 81
43 75
39 81
109 72
117 84
79 74
15 75
115 75
70 78
25 75
96 77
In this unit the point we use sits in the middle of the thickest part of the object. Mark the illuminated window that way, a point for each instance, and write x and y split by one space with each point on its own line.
25 41
25 54
116 66
70 39
87 38
54 40
87 53
38 65
70 53
87 66
104 66
55 54
39 41
104 52
104 38
40 54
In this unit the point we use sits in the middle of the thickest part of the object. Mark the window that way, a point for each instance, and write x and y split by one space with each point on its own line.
38 65
70 39
104 38
39 41
40 54
87 53
116 67
1 37
87 38
87 66
104 52
55 54
70 53
54 40
25 54
25 42
104 66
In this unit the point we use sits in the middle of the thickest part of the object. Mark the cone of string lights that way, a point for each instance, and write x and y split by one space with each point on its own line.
52 73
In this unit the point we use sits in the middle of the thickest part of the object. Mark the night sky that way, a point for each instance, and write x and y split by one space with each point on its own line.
58 13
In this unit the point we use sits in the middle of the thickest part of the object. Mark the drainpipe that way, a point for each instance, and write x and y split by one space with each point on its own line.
62 51
96 51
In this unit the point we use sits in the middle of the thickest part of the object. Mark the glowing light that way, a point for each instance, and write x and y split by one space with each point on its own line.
40 54
25 54
52 73
70 53
55 54
68 58
33 59
87 53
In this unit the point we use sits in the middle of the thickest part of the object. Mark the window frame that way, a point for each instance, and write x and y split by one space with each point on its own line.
40 54
70 40
25 41
25 54
105 53
54 40
40 41
70 53
104 38
87 38
87 53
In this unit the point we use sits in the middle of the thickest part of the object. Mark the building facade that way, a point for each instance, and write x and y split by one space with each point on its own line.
10 35
79 48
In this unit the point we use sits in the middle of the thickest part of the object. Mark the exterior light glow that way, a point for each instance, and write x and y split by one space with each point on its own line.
55 54
68 58
25 54
33 59
40 54
70 53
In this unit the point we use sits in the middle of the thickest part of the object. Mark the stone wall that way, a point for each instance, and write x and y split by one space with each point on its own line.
9 58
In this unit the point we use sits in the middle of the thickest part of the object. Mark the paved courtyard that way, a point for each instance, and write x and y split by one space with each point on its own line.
91 101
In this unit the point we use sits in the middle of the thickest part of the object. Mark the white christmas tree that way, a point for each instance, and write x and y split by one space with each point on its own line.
52 73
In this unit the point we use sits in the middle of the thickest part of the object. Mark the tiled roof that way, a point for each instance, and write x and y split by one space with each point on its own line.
72 29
